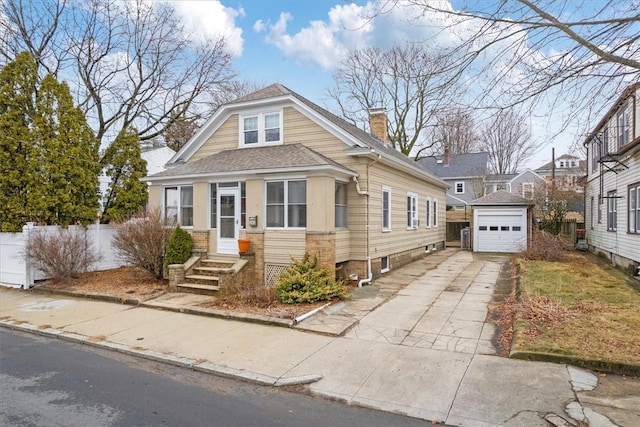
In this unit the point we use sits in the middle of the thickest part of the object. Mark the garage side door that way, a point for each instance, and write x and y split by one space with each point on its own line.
500 230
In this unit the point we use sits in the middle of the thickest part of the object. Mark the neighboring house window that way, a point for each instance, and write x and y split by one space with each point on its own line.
599 208
287 204
178 205
591 211
605 141
527 190
428 216
460 187
259 129
612 211
501 186
561 164
412 210
624 126
386 209
634 208
435 213
341 205
595 155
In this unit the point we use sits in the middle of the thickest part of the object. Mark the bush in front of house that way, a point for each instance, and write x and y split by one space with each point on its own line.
61 254
141 241
305 281
179 248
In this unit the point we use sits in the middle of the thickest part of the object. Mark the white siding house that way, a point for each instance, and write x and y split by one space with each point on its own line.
612 193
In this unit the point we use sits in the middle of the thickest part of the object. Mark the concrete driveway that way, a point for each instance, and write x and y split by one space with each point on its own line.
444 309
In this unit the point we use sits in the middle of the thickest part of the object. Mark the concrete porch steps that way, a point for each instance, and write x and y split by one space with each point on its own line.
195 288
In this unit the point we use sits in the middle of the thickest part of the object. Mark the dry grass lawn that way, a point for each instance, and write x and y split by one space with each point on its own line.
580 309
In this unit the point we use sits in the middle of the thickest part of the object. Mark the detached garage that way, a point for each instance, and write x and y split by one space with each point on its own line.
501 222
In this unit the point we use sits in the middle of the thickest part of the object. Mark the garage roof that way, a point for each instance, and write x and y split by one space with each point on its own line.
501 198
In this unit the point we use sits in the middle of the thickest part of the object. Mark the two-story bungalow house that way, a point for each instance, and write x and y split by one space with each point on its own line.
276 169
612 190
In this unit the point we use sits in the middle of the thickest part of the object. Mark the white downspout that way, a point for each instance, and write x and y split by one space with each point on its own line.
366 193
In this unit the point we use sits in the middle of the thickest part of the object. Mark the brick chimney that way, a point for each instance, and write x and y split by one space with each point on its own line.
378 123
446 158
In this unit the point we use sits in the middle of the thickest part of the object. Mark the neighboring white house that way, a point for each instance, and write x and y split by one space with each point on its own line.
612 191
156 159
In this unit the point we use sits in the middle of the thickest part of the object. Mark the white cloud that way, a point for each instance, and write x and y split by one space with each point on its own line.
206 19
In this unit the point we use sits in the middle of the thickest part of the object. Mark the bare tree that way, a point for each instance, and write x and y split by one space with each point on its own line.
455 129
507 139
536 53
131 64
404 80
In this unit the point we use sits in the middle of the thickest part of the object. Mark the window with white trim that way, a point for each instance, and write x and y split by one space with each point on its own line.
412 211
634 208
595 155
384 264
624 126
261 129
435 213
178 205
605 141
612 211
386 209
459 187
341 204
527 190
286 204
427 208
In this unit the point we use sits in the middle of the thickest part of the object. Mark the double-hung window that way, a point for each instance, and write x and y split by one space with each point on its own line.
386 209
435 213
178 205
261 129
427 207
459 187
634 208
287 204
341 204
412 211
624 126
595 155
612 211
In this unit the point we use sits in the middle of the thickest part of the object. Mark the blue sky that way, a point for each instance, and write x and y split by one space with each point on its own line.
299 43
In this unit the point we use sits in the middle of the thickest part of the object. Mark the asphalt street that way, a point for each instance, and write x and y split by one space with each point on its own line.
56 383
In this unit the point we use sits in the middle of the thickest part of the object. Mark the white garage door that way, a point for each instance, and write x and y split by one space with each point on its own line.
500 230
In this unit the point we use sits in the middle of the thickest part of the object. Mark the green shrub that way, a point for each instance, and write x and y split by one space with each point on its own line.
179 248
305 282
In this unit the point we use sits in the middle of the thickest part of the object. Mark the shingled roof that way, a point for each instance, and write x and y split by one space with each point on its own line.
501 198
277 90
255 159
460 165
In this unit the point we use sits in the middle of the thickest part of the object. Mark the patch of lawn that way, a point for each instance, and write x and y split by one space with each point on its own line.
579 312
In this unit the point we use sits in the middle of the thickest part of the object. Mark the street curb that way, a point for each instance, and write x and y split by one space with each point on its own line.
183 362
208 312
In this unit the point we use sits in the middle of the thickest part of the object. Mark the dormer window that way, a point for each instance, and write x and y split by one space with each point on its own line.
261 129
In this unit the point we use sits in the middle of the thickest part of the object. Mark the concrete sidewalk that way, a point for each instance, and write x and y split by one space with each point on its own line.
394 371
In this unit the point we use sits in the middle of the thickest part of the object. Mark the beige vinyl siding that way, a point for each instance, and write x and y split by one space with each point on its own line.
226 137
281 245
401 239
343 245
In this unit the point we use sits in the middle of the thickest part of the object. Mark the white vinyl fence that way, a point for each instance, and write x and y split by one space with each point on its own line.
15 269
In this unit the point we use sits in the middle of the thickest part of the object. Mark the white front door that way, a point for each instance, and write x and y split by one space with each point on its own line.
228 220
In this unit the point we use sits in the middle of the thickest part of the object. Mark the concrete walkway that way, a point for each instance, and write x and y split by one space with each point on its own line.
425 361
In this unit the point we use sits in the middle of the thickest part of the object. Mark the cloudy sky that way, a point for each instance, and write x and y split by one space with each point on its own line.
300 42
